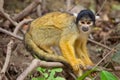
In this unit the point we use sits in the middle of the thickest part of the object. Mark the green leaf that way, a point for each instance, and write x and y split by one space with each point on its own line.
52 73
41 70
45 75
34 78
57 69
85 74
49 70
59 78
39 78
51 76
105 75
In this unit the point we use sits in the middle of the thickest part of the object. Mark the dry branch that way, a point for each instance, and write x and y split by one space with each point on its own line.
39 12
25 21
7 16
36 63
1 4
11 34
111 51
7 59
24 13
27 10
102 45
9 47
14 34
68 4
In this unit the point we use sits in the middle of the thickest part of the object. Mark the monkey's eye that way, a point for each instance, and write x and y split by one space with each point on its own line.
88 22
82 22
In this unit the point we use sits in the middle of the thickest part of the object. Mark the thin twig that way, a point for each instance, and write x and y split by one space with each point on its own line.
102 45
35 63
68 5
39 12
43 4
101 7
114 37
25 21
9 47
24 13
8 17
11 34
16 29
111 51
27 10
7 59
1 4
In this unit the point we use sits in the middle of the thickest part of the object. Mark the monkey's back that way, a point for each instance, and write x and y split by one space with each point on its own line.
58 19
47 29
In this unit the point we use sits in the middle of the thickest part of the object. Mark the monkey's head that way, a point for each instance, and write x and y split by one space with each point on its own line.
85 20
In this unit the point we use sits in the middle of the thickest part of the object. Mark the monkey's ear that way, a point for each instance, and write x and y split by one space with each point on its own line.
75 14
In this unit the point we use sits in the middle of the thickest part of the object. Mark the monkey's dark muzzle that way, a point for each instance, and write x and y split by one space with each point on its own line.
85 29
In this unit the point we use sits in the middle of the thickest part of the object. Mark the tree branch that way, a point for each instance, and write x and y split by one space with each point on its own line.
102 45
24 13
25 21
35 63
1 4
7 59
11 34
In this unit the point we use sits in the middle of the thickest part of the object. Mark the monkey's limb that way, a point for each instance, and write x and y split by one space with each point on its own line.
69 53
82 53
36 51
86 55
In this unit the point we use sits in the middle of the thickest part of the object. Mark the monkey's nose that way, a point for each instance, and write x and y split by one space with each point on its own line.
85 29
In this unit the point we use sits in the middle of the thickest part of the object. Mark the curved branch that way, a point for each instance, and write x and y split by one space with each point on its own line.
35 63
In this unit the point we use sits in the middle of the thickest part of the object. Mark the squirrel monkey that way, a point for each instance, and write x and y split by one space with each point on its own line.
64 31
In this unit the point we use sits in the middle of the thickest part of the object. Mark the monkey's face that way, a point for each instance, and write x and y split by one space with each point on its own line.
85 24
85 20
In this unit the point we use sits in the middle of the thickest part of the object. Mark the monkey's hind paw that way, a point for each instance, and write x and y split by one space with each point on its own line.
76 65
81 64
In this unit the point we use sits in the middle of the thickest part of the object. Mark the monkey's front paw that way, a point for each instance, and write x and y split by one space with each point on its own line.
88 67
76 69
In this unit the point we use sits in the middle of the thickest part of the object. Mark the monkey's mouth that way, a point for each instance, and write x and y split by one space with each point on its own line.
85 29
